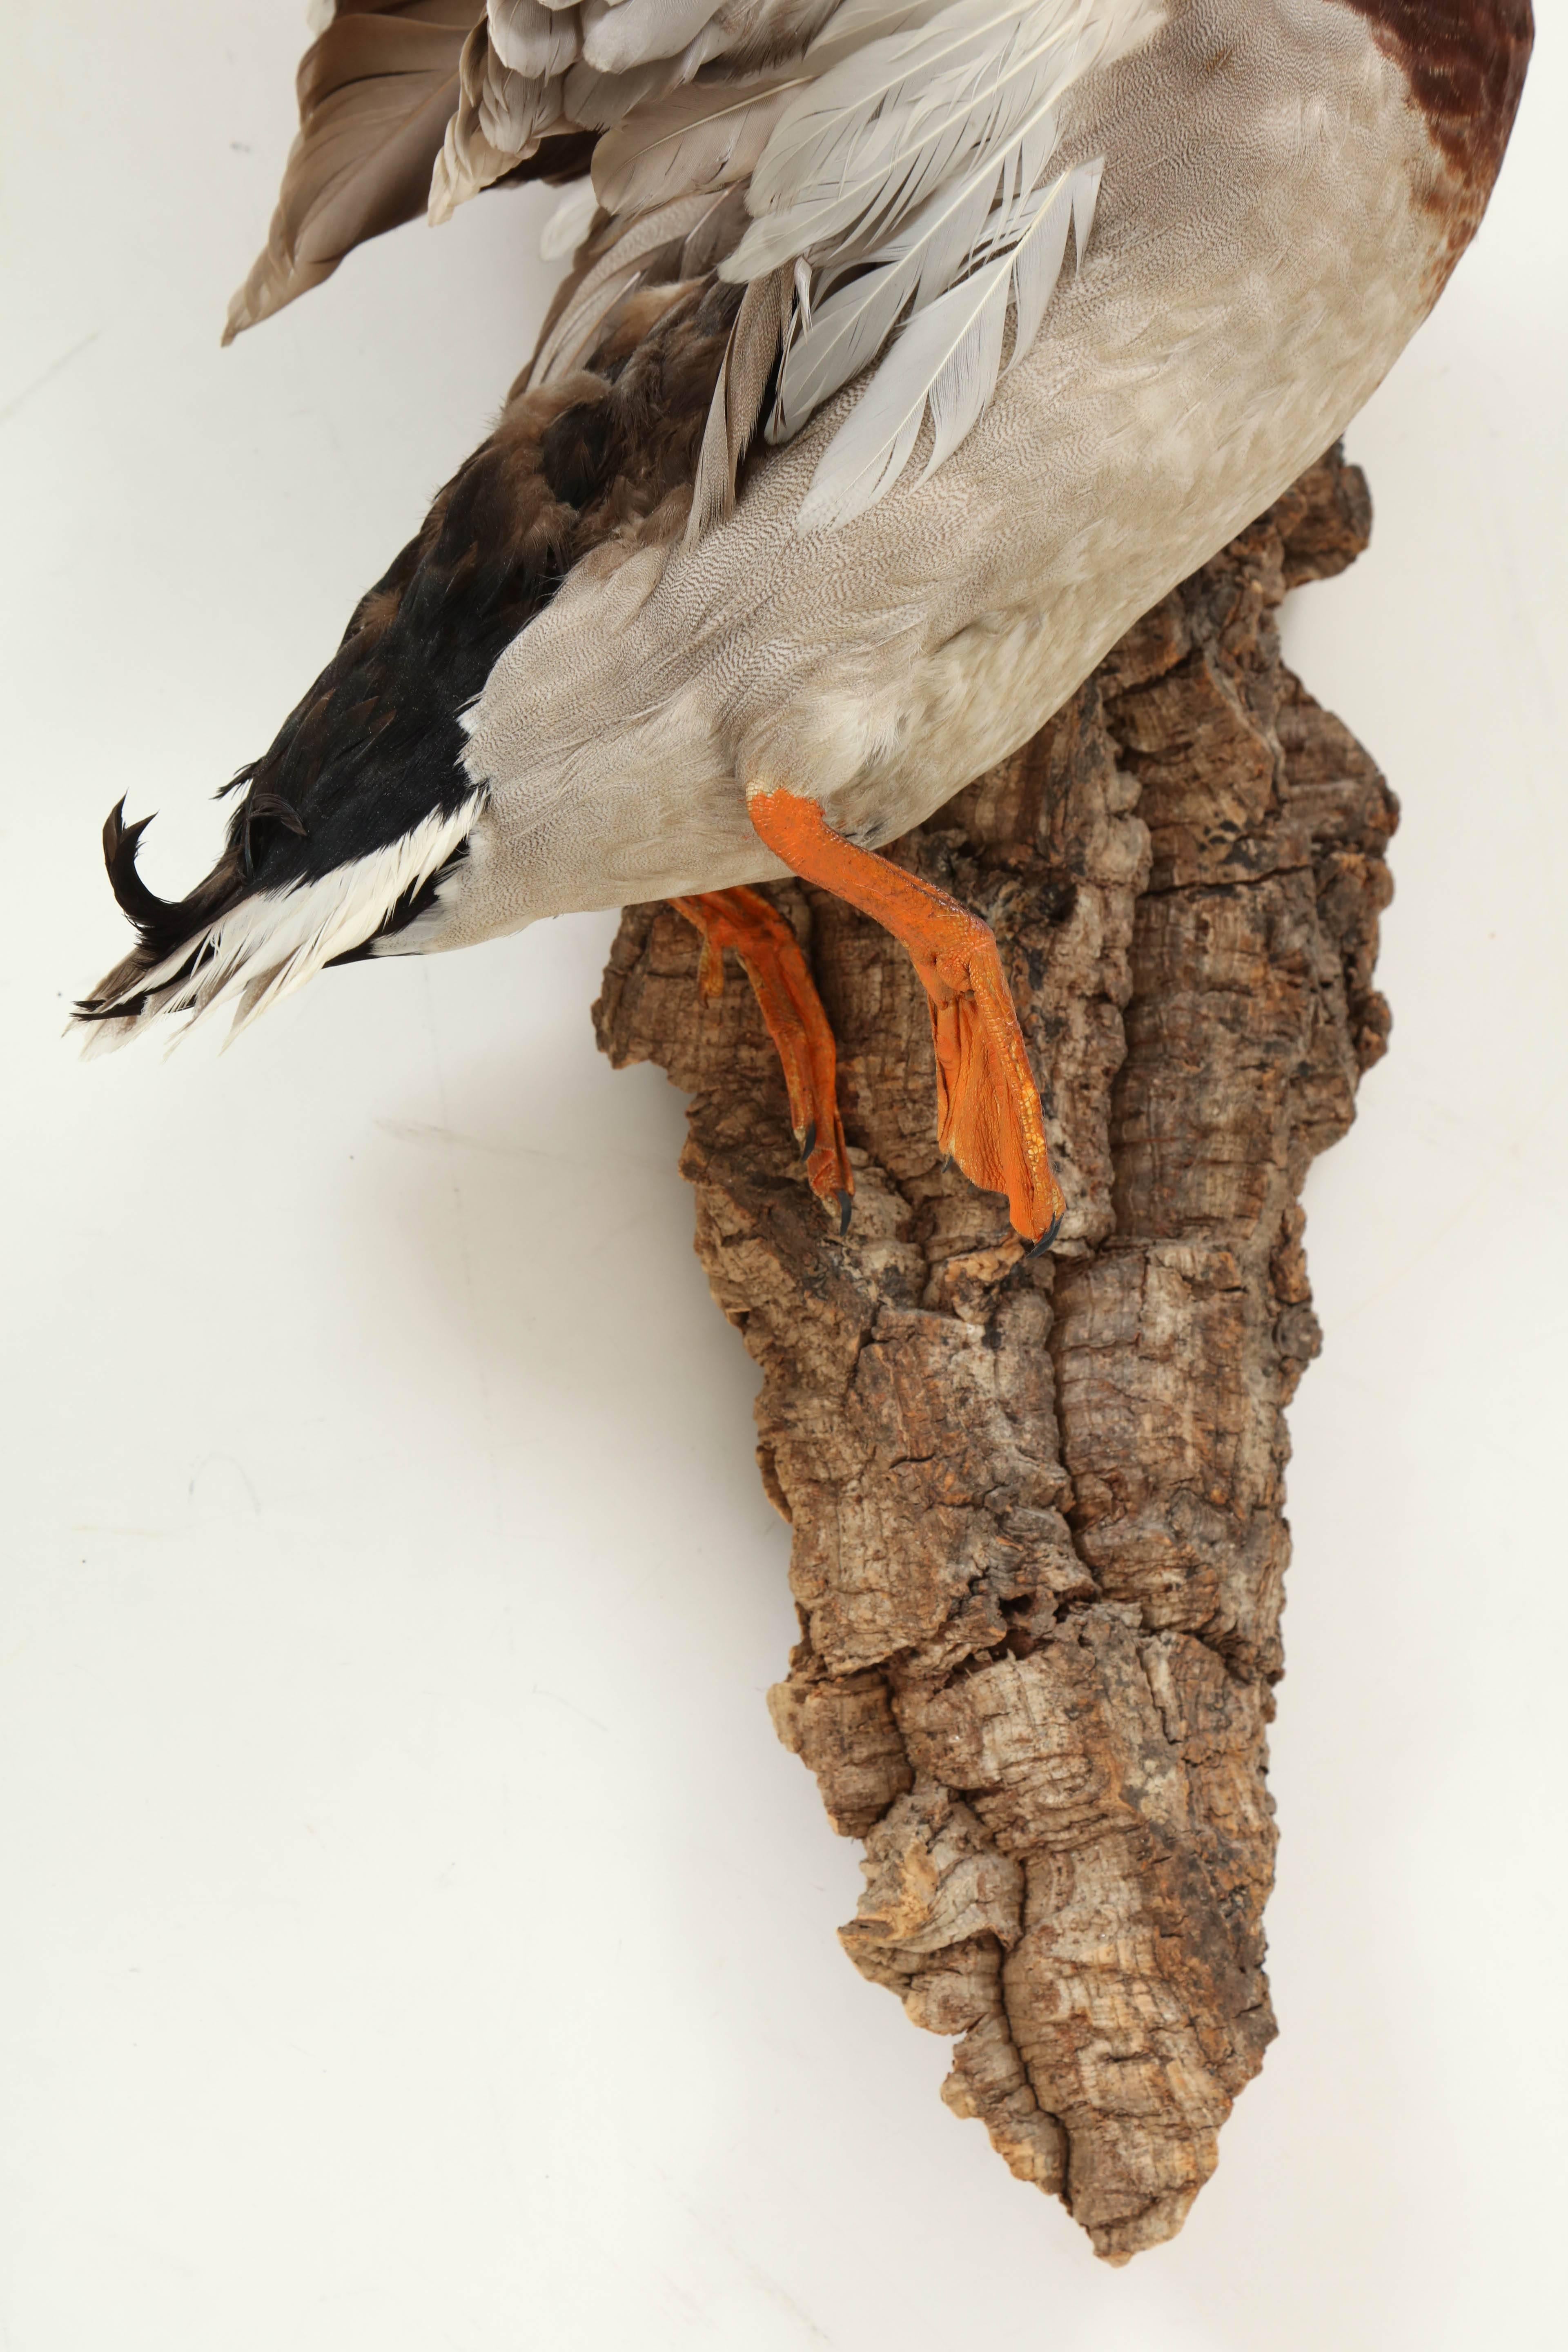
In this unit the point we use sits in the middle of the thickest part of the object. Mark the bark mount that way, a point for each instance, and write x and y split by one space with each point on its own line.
1038 1509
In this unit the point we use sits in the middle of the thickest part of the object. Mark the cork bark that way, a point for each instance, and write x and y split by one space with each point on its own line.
1038 1541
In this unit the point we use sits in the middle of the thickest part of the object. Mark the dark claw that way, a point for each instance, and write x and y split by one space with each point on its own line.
809 1143
1047 1238
846 1210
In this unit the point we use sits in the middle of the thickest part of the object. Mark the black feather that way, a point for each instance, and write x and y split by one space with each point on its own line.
144 908
375 748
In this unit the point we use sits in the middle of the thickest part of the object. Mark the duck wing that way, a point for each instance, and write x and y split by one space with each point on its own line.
375 91
895 167
893 162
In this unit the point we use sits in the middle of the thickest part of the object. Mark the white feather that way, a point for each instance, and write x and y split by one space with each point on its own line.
275 940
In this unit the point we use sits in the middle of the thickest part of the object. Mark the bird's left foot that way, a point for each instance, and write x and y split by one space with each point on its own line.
784 990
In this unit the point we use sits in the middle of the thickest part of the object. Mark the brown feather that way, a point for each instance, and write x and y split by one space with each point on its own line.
750 360
375 92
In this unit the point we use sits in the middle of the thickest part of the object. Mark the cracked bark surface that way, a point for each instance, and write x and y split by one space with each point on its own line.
1038 1542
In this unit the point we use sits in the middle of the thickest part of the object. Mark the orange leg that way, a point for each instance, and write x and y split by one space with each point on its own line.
988 1112
797 1024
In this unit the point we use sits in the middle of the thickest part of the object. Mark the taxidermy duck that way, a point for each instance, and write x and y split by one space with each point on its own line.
913 349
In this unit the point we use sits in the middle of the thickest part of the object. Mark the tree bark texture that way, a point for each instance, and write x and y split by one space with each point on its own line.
1039 1541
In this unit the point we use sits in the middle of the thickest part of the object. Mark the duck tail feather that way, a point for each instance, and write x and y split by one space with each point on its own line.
237 942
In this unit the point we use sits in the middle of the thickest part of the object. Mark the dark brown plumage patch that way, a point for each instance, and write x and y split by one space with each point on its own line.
556 161
376 746
1465 61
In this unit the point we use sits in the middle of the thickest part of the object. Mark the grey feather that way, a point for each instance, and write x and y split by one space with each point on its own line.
630 33
931 251
512 110
952 336
706 135
889 155
1037 263
859 21
945 363
595 101
532 40
855 153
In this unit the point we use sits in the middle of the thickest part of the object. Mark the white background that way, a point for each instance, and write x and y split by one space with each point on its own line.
413 1937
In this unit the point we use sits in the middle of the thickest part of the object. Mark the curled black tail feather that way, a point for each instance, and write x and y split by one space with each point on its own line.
142 906
162 926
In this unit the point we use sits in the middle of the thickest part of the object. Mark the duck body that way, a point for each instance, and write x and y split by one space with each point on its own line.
561 697
1276 218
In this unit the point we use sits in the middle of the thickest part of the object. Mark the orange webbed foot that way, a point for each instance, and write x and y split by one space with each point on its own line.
786 993
988 1108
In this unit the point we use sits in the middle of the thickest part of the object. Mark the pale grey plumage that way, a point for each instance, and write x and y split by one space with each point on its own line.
904 138
866 143
685 140
1056 445
949 358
